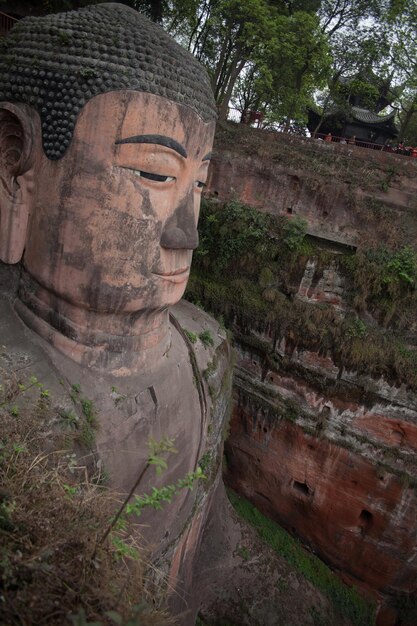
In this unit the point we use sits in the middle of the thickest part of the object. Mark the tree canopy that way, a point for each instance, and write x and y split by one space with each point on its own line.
278 57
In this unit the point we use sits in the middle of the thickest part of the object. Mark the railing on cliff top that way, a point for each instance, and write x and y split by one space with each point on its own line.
235 116
353 141
6 23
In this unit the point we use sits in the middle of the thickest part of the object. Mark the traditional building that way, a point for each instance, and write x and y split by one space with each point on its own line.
354 117
361 123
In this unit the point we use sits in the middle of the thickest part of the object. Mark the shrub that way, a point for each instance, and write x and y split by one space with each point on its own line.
206 338
294 232
192 337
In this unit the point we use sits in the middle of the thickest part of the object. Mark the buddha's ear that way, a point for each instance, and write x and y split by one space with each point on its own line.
19 131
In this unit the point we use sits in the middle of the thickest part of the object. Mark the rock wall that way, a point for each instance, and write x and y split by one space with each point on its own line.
337 188
328 451
333 475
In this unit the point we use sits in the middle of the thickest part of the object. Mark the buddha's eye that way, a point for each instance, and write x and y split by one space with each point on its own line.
156 177
200 184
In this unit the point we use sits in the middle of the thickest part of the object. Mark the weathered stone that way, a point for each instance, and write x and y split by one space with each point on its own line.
103 158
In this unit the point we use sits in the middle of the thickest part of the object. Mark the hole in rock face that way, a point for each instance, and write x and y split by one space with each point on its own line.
216 193
365 520
301 487
265 429
325 214
289 210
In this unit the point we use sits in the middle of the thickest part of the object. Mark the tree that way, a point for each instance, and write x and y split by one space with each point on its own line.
232 37
287 70
361 41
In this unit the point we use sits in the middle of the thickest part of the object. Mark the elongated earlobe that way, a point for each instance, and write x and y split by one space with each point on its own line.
17 142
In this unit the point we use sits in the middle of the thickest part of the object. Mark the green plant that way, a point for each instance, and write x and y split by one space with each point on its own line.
87 72
163 495
282 584
64 37
206 338
402 265
86 427
70 418
243 553
89 411
47 500
230 235
192 337
211 368
294 232
356 329
317 617
86 436
70 490
205 461
134 504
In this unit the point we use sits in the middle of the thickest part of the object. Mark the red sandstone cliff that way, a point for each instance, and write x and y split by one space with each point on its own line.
328 451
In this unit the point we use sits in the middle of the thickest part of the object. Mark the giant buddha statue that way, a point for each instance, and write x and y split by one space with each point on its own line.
106 127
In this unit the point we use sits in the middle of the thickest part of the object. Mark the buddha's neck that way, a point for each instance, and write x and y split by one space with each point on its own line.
120 344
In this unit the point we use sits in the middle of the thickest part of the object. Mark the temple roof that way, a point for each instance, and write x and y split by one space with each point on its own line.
368 117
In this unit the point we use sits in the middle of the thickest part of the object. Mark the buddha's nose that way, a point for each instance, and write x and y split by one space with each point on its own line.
180 230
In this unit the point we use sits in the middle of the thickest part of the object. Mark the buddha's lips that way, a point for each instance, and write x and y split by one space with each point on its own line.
175 276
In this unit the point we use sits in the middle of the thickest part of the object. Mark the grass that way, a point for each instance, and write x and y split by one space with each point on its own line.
206 338
346 600
53 570
192 337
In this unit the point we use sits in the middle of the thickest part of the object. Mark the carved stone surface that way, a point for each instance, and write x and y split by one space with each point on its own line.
105 136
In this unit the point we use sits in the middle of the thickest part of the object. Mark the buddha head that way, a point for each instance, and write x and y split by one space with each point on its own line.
106 127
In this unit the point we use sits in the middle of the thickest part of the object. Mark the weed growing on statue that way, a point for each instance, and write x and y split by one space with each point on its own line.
346 600
134 504
206 338
192 337
86 433
55 566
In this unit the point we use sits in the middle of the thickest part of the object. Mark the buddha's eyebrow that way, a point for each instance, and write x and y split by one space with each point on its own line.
207 157
160 140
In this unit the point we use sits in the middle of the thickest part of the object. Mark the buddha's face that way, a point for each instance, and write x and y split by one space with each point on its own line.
114 221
